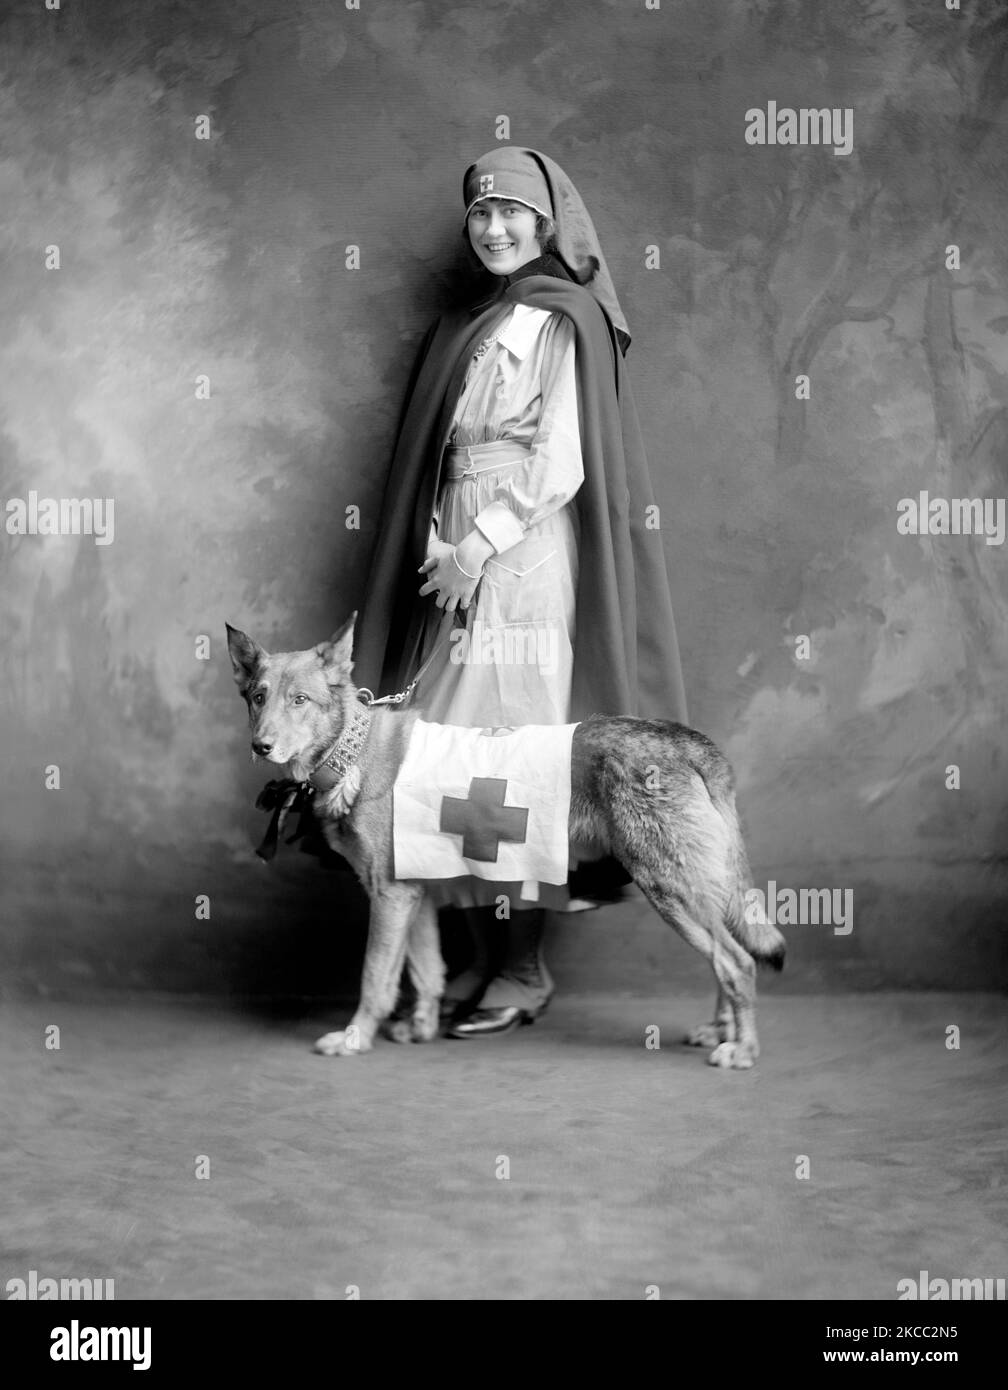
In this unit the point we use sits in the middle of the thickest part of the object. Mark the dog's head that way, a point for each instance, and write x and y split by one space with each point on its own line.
297 701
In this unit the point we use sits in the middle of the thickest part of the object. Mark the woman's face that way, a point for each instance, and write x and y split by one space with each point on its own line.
503 234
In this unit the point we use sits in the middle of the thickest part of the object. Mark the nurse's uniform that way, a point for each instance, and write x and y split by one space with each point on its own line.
512 469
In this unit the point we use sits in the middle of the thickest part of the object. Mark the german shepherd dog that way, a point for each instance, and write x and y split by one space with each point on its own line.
655 795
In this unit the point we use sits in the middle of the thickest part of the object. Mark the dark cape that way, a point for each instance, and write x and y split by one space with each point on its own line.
626 654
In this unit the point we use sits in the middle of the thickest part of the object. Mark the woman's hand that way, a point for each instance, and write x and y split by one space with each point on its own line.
455 570
444 577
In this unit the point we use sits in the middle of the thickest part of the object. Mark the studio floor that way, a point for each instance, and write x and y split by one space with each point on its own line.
625 1167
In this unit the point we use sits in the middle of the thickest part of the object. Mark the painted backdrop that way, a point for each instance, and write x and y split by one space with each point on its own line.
182 335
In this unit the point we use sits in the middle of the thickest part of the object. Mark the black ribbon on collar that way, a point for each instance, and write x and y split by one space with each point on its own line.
285 795
282 797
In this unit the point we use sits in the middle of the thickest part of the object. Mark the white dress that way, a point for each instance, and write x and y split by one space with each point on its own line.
514 664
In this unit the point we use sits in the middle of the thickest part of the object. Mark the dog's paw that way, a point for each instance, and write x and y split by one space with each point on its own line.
738 1056
706 1035
425 1024
347 1042
398 1030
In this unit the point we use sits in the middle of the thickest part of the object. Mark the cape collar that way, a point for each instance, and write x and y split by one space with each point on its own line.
496 286
546 264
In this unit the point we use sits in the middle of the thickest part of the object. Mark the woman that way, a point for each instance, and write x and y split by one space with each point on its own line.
518 504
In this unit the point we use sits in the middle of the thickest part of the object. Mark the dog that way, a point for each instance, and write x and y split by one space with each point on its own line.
677 834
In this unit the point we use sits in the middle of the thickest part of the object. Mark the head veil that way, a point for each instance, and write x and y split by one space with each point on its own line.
526 176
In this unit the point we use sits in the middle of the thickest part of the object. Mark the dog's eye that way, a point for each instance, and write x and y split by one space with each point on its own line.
300 700
258 698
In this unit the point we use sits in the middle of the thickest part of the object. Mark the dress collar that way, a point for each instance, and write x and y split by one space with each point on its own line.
522 330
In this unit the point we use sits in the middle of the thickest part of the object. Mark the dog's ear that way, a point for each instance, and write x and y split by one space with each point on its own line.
245 656
336 655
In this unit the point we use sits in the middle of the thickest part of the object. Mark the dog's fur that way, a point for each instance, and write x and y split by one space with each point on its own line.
657 796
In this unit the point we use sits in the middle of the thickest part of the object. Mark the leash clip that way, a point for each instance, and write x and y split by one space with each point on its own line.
368 695
370 699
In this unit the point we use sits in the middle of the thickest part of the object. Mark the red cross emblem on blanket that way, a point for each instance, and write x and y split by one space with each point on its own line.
483 820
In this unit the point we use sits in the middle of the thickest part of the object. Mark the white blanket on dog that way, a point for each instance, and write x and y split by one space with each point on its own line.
490 802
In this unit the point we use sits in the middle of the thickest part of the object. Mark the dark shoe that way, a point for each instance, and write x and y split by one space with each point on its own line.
462 996
485 1023
523 981
465 990
452 1011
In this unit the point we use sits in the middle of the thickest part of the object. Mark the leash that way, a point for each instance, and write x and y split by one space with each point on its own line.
369 697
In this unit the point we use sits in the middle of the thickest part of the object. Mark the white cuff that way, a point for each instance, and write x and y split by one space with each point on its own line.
500 526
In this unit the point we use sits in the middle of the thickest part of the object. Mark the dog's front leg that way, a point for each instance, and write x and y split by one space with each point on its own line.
392 907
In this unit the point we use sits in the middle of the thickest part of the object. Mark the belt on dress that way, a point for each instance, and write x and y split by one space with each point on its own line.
467 460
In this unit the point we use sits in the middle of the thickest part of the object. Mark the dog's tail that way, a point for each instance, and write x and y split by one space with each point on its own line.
748 923
746 918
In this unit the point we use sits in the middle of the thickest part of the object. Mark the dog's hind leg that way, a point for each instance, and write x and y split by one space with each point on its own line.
720 1029
391 910
425 966
734 969
678 847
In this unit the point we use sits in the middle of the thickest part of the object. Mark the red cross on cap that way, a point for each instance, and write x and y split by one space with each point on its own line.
486 183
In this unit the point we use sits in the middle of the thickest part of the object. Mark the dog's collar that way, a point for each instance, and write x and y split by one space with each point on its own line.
333 768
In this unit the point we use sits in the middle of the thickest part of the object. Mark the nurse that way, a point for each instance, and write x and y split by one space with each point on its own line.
519 522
